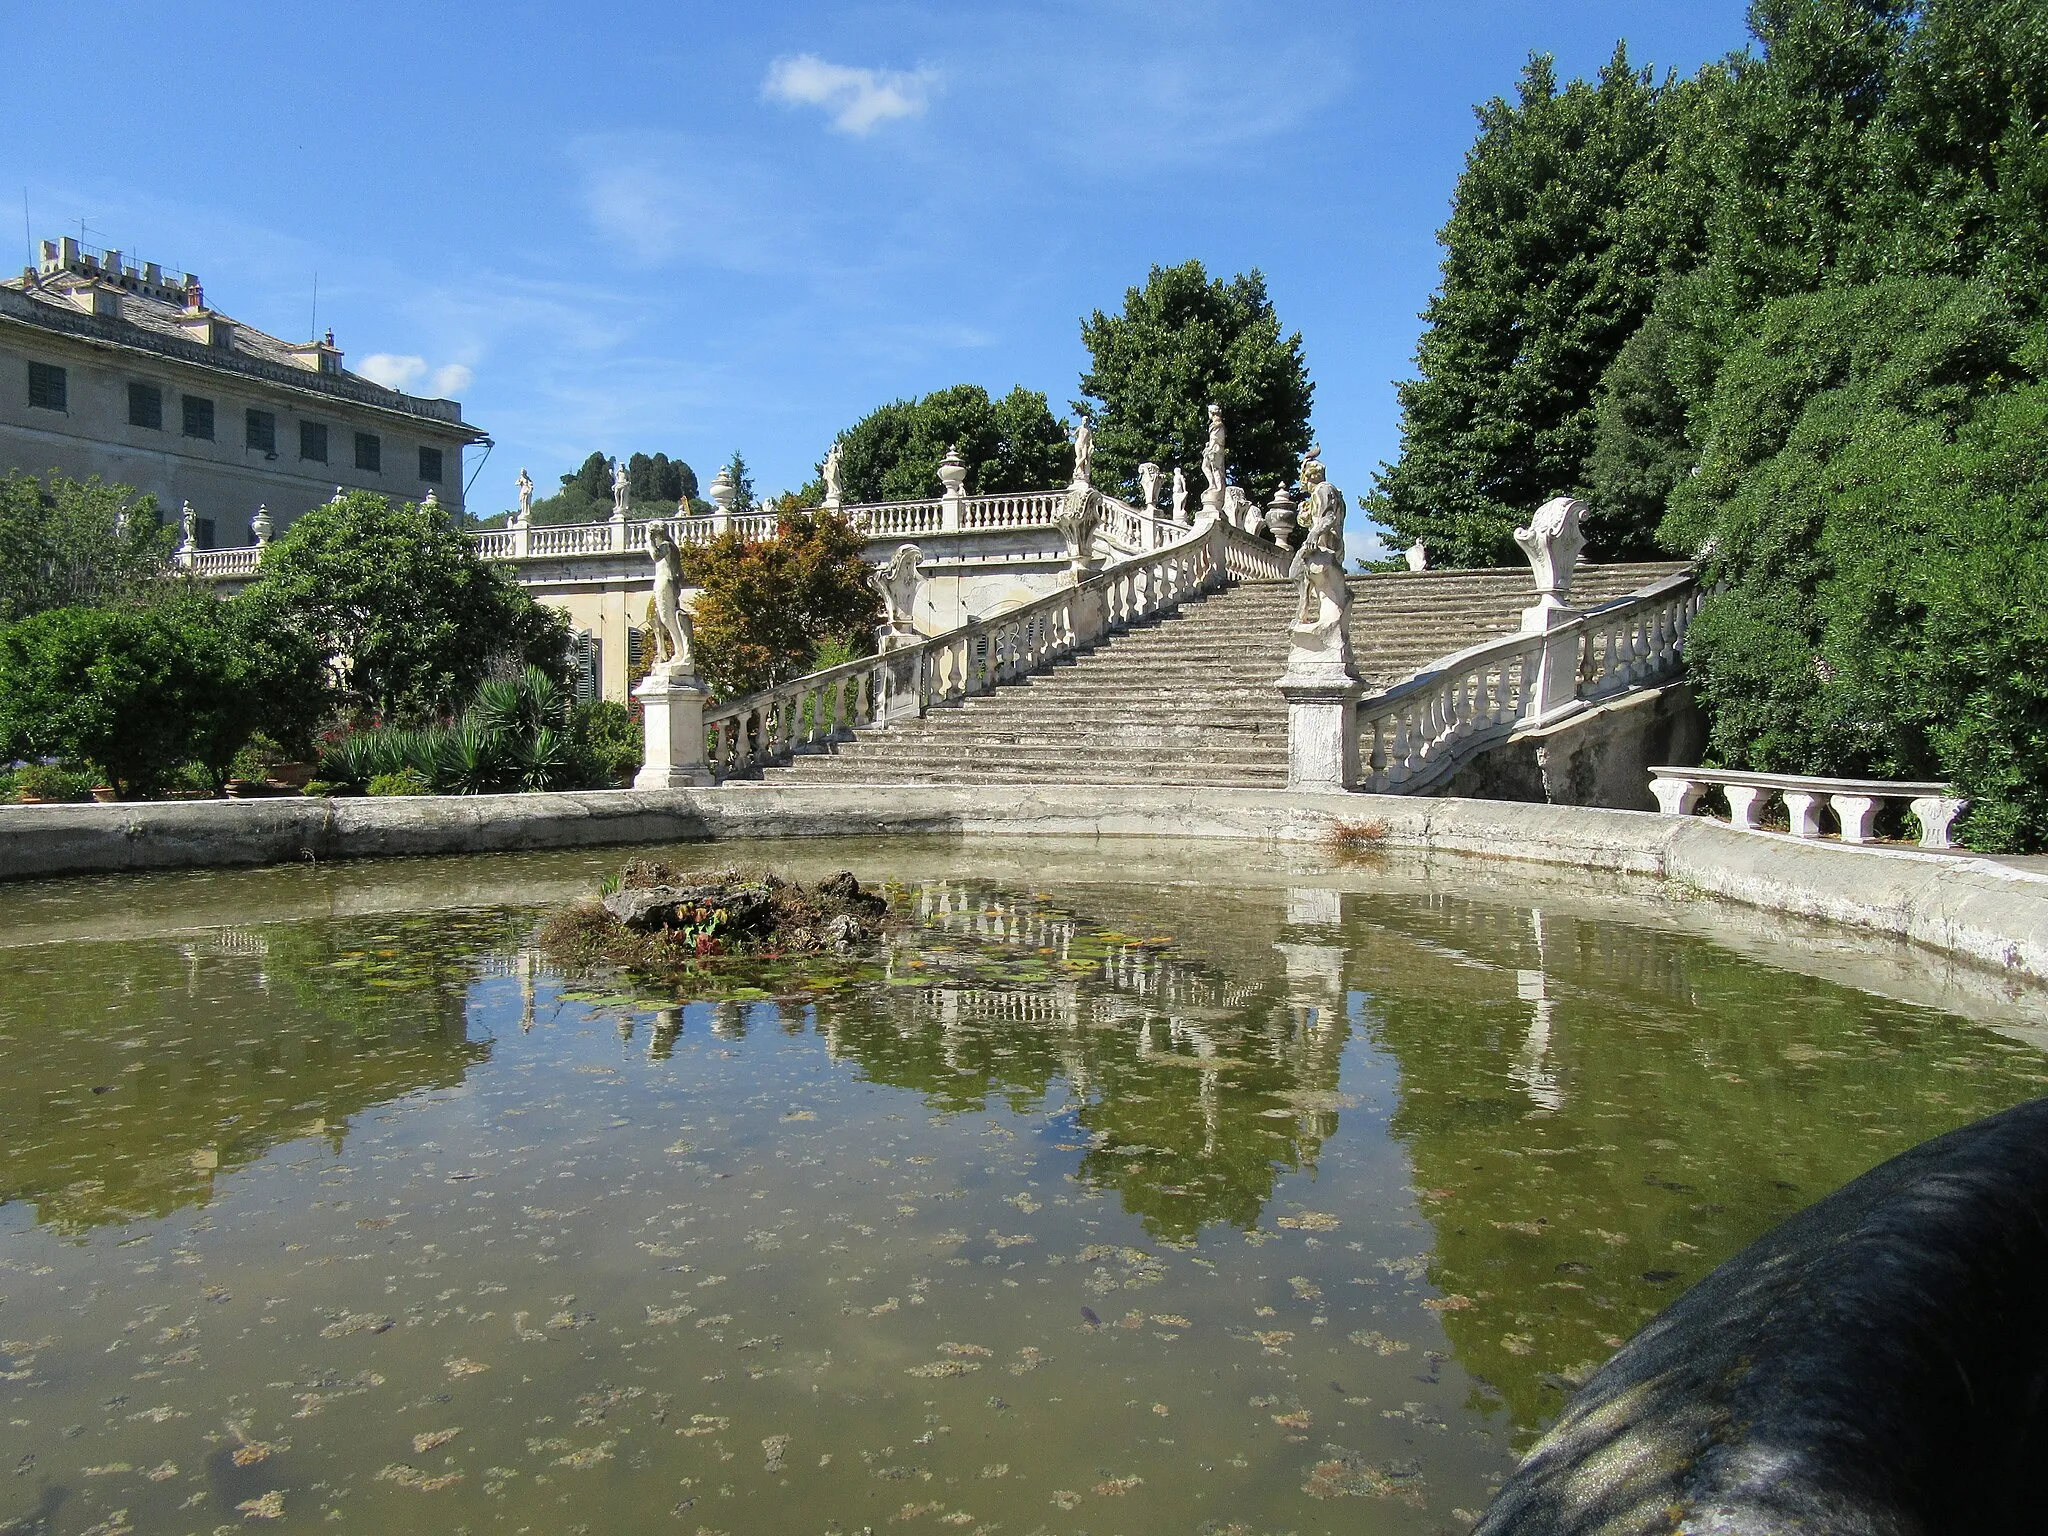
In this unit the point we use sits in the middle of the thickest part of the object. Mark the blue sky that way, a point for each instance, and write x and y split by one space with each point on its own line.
698 228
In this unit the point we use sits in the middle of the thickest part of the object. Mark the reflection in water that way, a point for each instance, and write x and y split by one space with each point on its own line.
1163 1206
139 1074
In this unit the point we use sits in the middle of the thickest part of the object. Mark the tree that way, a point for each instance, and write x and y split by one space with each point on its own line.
1876 499
411 615
133 692
742 483
1009 445
1181 342
1561 227
67 543
659 479
767 604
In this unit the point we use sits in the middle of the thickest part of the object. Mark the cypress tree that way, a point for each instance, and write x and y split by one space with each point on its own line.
1562 223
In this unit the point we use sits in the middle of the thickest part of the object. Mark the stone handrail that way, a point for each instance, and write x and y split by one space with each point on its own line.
1855 802
898 519
1035 510
764 728
241 560
1251 558
1419 732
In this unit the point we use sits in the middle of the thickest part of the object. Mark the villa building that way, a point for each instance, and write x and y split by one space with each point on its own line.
118 369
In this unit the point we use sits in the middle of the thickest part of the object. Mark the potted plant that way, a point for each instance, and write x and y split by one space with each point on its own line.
48 783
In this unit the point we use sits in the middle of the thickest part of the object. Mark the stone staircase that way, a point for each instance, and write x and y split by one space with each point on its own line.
1189 699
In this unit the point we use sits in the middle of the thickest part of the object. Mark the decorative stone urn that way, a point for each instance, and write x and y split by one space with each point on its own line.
720 493
1280 518
1552 542
1076 521
260 526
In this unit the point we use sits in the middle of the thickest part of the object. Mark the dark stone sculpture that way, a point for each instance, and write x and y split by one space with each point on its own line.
1877 1364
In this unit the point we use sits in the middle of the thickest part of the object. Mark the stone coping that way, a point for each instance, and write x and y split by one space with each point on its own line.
1973 909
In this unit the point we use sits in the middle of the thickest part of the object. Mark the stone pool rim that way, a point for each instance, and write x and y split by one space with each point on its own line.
1977 910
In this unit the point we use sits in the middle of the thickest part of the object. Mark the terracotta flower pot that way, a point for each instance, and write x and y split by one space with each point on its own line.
106 794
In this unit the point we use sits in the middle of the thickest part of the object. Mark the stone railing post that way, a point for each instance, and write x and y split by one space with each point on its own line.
1552 543
522 535
952 475
674 756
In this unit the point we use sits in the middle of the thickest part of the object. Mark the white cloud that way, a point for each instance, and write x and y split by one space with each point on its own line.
857 99
400 370
394 370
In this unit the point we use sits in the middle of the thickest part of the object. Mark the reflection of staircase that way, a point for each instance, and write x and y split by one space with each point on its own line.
1190 698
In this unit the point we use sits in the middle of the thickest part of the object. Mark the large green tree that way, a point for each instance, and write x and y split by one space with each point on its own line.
1564 221
1009 444
67 542
1182 342
412 618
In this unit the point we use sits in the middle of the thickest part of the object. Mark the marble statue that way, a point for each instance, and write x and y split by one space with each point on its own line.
1552 542
1148 485
897 583
1418 557
672 626
1235 504
525 514
1180 495
622 491
188 527
831 473
1215 461
1084 451
1320 639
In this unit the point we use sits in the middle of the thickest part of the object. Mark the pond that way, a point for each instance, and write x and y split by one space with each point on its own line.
1131 1188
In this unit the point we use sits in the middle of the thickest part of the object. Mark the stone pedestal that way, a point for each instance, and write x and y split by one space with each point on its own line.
1322 732
897 698
674 757
1091 610
1555 688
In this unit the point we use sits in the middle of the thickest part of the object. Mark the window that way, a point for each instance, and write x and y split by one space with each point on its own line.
262 432
313 441
202 532
46 386
146 407
370 452
199 417
430 464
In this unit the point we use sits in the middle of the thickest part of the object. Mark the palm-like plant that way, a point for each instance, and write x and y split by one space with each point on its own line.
470 760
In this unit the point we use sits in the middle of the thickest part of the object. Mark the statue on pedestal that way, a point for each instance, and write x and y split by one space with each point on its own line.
188 527
1148 485
622 492
1180 496
525 512
1084 451
672 628
830 473
1418 557
897 583
1320 639
1215 461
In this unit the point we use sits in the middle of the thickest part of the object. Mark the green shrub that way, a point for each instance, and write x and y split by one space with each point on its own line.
48 781
406 781
323 789
611 740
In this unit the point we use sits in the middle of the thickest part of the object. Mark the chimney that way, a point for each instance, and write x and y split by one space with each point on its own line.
195 296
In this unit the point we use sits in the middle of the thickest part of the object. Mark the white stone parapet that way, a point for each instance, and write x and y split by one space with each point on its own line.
1855 802
1421 731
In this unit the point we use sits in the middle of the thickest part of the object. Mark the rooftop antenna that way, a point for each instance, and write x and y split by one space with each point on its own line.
28 239
314 333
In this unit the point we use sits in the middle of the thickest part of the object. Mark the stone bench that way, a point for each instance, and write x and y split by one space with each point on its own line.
1854 801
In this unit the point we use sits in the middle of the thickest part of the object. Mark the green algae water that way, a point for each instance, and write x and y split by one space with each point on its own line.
1134 1190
